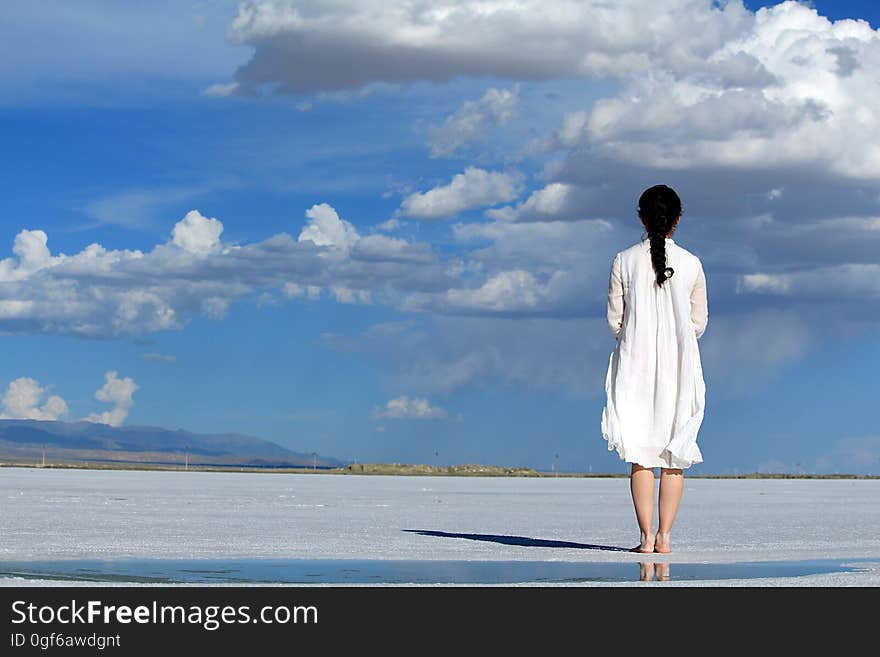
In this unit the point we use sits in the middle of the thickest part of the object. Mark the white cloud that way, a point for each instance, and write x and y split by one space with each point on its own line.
30 247
32 253
384 248
406 408
326 228
22 398
526 269
119 393
847 281
542 247
472 120
389 225
554 201
474 188
15 308
571 133
105 293
810 98
514 291
197 234
301 51
700 82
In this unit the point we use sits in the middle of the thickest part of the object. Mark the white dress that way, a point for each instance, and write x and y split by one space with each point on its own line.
654 388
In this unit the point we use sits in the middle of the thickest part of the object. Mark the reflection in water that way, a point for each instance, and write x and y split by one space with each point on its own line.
379 571
649 571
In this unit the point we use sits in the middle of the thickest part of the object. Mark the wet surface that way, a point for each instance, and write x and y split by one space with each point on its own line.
351 571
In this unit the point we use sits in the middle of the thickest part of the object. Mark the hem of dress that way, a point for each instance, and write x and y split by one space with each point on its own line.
674 461
681 461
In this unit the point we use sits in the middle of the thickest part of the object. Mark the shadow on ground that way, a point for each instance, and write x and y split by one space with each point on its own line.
524 541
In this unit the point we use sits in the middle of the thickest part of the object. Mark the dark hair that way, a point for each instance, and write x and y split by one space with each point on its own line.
659 207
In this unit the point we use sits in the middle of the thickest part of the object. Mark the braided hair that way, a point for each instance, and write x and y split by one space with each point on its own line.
659 208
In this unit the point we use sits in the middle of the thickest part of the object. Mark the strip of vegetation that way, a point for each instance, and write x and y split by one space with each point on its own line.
402 469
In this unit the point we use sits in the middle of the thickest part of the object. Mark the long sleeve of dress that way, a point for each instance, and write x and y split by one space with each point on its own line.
699 304
615 299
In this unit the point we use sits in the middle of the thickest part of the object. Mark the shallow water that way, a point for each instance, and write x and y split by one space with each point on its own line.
359 571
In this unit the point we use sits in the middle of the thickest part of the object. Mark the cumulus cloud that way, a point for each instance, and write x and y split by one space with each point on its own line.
26 399
197 234
326 228
847 60
119 393
305 51
98 292
406 408
515 291
808 99
474 188
554 201
543 248
570 133
31 254
389 224
530 269
472 120
390 249
22 401
854 281
30 247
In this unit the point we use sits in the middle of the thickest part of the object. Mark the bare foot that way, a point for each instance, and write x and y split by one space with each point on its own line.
661 543
646 546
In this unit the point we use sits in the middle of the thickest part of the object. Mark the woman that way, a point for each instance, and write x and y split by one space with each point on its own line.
655 393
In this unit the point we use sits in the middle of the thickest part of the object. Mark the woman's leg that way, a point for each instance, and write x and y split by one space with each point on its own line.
641 485
671 487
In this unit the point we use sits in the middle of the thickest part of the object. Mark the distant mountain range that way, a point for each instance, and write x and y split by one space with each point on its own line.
90 441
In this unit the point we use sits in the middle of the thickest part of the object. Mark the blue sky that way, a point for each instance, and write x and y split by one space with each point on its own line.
418 214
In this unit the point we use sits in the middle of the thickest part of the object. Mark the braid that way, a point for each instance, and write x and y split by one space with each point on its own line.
659 207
